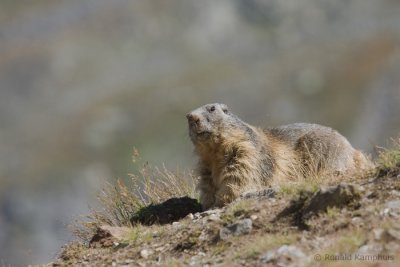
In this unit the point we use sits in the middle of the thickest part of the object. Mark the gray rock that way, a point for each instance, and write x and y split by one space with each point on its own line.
284 252
393 207
208 213
240 227
395 193
197 216
176 225
392 246
357 221
373 248
290 251
378 233
333 196
204 236
268 257
214 217
145 253
394 234
265 193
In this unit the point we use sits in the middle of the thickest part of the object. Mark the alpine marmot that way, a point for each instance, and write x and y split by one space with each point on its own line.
237 157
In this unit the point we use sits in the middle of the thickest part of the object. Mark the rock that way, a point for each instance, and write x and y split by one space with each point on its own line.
176 225
392 207
395 193
240 227
265 193
378 233
268 257
158 249
386 235
394 234
291 251
373 248
195 260
309 203
392 247
357 221
253 217
385 211
197 216
333 196
214 217
145 253
283 253
210 212
371 194
205 236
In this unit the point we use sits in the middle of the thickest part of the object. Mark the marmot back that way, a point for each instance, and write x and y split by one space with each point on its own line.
235 157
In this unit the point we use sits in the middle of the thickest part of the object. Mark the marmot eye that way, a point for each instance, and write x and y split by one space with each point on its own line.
212 109
225 111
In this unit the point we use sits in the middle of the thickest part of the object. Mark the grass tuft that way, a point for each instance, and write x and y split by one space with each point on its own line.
120 201
388 162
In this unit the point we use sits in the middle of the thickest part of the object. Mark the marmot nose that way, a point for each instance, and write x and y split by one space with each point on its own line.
192 118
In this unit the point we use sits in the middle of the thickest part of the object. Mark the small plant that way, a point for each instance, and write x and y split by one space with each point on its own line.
219 249
389 160
138 234
240 206
119 202
72 251
295 188
332 212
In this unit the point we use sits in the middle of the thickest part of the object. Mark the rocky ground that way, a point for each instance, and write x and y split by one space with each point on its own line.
353 223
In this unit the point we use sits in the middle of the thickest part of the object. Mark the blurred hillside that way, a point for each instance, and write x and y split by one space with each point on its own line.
83 82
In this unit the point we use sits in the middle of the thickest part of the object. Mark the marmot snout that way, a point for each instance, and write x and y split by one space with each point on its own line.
205 121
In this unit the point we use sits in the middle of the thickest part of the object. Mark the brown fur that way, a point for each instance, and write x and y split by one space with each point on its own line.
237 157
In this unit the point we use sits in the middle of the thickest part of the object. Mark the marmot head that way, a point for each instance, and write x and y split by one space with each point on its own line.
208 121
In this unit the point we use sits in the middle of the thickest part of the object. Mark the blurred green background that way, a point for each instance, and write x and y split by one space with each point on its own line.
83 82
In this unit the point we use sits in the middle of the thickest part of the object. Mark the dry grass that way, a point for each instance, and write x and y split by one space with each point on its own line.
119 201
388 161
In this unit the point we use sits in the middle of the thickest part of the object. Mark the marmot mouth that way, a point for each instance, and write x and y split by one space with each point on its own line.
200 134
203 133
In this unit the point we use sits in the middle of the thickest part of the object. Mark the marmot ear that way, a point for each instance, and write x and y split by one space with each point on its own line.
224 108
